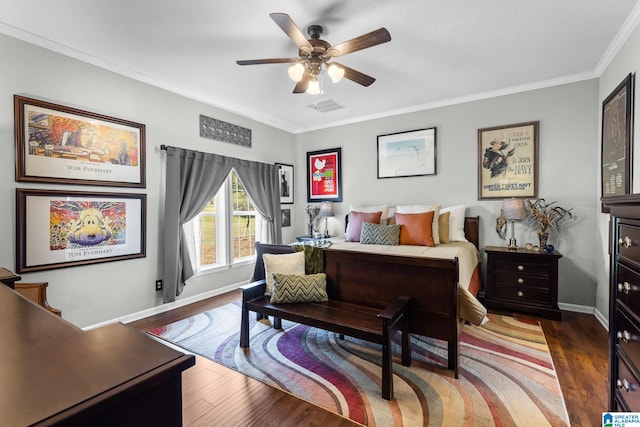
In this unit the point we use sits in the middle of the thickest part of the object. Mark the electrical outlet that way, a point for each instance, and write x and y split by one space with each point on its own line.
158 285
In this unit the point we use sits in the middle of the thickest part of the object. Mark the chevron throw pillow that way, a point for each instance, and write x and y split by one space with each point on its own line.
291 288
376 234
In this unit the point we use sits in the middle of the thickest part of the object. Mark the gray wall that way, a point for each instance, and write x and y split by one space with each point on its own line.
97 293
568 147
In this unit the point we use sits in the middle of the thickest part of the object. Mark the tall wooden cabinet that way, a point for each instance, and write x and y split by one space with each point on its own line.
624 303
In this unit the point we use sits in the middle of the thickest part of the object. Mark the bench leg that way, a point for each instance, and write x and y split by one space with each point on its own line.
244 326
387 364
454 351
277 323
406 344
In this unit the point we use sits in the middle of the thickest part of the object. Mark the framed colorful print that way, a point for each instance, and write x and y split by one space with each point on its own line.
286 183
324 176
410 153
508 161
616 140
59 229
58 144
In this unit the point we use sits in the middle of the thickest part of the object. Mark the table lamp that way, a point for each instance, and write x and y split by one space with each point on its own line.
513 210
326 210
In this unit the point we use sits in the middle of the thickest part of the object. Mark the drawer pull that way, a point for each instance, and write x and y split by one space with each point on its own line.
520 280
520 293
520 267
626 241
623 383
624 287
623 336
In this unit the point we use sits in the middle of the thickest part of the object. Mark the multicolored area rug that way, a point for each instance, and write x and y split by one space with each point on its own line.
506 372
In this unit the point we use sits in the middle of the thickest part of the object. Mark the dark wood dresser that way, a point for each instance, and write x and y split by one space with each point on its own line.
522 280
624 303
53 373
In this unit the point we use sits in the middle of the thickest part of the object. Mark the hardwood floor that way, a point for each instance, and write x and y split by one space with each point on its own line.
215 395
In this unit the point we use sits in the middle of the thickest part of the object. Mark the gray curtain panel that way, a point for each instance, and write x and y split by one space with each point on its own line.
193 178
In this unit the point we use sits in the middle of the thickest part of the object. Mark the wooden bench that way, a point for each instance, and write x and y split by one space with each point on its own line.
359 321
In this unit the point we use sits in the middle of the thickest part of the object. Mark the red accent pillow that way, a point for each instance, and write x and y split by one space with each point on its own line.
355 223
416 228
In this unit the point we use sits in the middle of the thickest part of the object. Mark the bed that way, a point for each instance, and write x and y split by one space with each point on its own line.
441 281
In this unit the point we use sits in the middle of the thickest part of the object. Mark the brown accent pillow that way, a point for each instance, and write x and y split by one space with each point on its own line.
355 223
443 224
416 228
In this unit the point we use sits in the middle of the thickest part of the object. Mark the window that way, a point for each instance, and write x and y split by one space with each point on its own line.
225 229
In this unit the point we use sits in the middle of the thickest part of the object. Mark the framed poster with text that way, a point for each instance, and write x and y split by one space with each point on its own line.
508 161
324 176
65 145
616 140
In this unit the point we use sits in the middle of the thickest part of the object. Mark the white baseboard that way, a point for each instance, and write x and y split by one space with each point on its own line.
168 306
587 310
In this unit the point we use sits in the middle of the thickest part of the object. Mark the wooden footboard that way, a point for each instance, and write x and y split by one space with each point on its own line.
377 279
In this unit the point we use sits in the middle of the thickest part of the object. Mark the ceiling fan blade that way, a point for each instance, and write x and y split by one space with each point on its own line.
374 38
290 28
301 86
356 76
266 61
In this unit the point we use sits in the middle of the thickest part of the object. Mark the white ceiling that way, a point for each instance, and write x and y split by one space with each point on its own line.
441 51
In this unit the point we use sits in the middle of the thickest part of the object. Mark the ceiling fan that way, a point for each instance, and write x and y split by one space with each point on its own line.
315 52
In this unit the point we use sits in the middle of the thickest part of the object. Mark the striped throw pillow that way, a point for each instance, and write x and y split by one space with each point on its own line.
376 234
292 288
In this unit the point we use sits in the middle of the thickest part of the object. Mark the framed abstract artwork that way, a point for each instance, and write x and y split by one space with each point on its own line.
69 228
324 176
617 140
59 144
286 183
508 161
411 153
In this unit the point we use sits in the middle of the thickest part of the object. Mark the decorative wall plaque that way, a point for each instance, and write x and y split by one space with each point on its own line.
222 131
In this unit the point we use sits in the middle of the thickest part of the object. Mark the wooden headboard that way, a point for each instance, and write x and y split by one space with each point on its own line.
471 229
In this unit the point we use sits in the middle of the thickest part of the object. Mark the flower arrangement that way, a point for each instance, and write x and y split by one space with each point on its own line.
313 213
544 215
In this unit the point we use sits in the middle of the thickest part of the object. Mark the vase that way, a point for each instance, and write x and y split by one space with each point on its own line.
310 230
543 237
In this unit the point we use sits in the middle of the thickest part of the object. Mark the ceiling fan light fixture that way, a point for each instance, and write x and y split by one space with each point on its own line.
314 86
296 71
336 73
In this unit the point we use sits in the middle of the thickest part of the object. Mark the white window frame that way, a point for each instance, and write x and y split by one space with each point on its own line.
224 233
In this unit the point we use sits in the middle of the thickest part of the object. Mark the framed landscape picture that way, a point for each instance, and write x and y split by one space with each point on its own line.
508 161
69 228
616 140
411 153
59 144
324 176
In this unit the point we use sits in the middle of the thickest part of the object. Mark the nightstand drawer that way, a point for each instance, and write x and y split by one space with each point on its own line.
522 295
628 288
522 280
521 266
630 246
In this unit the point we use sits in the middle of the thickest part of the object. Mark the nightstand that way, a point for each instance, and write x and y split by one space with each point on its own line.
523 280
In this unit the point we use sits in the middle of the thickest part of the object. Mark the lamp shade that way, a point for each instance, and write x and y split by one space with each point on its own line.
513 209
326 209
296 71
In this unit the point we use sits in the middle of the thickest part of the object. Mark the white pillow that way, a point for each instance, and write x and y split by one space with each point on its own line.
435 227
373 208
456 222
282 263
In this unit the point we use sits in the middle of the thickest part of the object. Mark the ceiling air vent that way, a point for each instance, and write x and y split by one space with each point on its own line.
324 106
